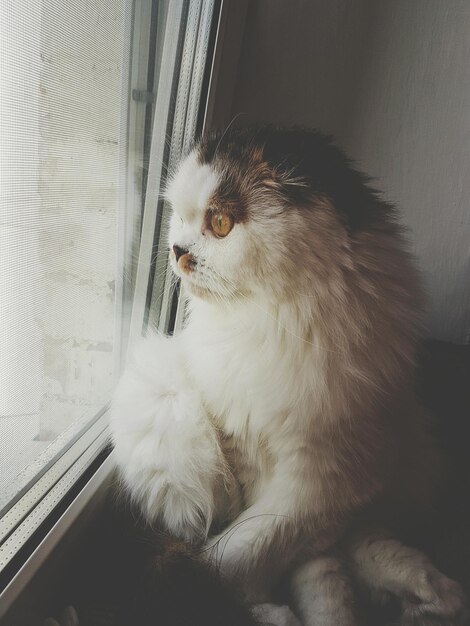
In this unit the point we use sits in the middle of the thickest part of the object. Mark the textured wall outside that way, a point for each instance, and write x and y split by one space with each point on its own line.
60 108
80 100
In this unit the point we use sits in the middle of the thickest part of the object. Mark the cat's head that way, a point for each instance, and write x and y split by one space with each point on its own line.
262 212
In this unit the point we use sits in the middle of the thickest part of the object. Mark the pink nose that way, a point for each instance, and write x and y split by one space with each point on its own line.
179 251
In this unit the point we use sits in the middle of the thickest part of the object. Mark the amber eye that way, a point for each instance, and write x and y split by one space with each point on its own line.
221 223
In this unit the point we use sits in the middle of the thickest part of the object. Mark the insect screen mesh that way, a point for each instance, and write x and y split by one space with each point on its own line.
62 64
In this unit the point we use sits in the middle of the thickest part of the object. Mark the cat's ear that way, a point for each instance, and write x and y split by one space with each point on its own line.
257 154
290 180
270 176
272 183
285 182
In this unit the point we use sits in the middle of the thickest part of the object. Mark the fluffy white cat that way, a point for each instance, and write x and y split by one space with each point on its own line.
281 422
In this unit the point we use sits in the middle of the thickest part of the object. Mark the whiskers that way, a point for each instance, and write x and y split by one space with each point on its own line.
235 292
206 278
224 292
211 552
229 125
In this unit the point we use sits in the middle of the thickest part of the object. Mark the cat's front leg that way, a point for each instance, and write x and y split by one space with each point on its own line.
166 447
263 541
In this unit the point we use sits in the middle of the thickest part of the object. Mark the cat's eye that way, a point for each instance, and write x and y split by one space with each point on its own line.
221 223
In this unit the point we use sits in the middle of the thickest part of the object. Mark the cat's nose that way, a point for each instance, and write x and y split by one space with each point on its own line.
179 251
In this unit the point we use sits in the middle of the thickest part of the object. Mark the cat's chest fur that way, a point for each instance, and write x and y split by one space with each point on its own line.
261 379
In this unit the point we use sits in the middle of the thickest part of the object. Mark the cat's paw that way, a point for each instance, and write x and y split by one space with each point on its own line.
440 601
274 615
165 445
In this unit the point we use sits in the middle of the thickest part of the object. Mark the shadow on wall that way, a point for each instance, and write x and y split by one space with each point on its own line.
391 81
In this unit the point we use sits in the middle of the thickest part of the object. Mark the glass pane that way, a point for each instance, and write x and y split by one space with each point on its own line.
64 107
98 98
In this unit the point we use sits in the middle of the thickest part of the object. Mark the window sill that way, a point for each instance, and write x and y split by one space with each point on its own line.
25 597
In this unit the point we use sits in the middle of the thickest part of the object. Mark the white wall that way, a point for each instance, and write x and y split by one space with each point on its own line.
299 61
391 80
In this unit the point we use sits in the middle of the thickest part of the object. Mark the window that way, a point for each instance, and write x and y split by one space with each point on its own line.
98 98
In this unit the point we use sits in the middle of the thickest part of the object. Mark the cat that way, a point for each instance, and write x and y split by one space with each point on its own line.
279 429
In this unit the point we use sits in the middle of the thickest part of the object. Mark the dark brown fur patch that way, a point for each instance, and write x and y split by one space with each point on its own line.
244 171
300 164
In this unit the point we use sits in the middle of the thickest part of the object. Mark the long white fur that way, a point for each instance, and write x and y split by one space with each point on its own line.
247 364
173 464
251 372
